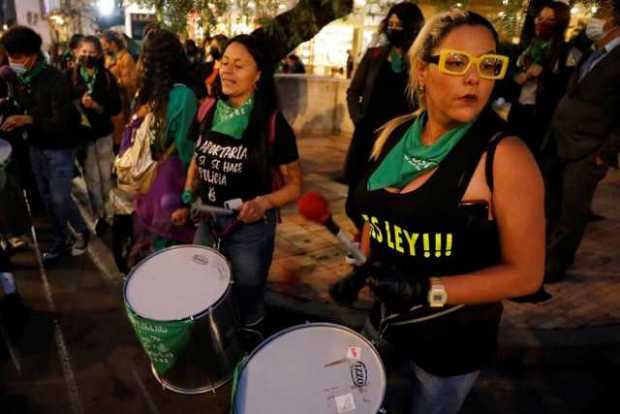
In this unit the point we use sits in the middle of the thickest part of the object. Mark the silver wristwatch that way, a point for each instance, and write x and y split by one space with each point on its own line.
437 295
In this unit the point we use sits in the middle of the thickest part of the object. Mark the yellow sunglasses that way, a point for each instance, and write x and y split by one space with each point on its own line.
457 62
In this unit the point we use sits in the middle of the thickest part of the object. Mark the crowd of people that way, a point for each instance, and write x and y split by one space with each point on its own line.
452 202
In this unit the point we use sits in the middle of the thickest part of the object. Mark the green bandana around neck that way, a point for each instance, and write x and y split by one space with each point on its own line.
410 158
27 77
537 52
396 61
232 121
88 78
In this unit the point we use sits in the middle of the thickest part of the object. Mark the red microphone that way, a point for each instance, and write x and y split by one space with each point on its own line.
314 207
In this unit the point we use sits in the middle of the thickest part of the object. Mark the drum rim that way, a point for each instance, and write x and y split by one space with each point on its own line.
244 363
196 316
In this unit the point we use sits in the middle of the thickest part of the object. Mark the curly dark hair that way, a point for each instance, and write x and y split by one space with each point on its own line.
162 63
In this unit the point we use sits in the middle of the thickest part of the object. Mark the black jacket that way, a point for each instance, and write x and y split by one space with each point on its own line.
105 93
587 118
48 100
363 82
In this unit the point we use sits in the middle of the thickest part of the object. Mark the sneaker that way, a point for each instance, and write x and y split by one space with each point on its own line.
101 227
17 242
55 252
80 245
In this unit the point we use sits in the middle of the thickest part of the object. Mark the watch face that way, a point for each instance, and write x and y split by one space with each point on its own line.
437 297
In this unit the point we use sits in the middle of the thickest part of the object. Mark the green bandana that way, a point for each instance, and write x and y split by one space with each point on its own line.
410 158
397 61
536 52
27 77
232 121
88 78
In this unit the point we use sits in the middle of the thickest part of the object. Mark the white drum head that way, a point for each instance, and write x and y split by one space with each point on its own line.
177 283
310 369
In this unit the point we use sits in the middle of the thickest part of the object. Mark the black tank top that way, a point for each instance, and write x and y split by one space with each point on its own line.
427 232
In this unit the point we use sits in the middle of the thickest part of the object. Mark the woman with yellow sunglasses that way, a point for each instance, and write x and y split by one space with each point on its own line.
454 216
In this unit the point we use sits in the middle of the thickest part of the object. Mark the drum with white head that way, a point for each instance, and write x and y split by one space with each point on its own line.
309 369
179 303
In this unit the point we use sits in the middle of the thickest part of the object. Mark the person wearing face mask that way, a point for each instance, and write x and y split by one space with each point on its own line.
50 124
97 94
541 75
584 140
454 218
123 66
377 91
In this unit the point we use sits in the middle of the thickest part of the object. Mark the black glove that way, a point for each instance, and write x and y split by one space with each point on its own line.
344 292
397 291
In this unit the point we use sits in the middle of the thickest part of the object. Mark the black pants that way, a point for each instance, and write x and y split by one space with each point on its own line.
569 189
122 240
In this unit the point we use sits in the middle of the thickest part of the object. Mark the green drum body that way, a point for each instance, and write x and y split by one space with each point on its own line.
179 303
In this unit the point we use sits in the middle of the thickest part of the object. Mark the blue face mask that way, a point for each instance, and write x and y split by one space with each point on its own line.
18 68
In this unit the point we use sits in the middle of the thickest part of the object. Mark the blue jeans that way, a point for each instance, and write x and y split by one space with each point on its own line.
439 395
98 174
429 393
249 248
53 172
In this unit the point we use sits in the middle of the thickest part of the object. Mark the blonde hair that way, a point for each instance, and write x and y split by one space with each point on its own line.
429 38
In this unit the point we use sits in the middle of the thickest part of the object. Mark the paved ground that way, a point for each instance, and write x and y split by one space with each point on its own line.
78 353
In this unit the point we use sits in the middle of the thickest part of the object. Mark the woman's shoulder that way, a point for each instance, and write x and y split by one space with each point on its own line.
181 92
125 58
514 156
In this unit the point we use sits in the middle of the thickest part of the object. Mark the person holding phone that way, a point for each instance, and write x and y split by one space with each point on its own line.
454 217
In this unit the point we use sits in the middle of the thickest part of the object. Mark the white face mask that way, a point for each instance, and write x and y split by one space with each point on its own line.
18 68
595 30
